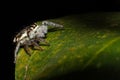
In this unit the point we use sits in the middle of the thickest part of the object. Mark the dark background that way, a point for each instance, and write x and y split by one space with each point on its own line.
17 14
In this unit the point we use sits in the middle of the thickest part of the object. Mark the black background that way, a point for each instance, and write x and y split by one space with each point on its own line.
17 14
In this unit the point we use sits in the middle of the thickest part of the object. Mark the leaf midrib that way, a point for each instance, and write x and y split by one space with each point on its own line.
100 50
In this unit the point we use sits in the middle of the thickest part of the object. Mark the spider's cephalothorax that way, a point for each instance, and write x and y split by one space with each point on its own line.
32 35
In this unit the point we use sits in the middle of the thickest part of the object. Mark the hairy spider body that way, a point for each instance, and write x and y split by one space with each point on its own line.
32 35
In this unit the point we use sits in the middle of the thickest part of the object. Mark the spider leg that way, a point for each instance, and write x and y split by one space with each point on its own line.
16 51
42 40
27 50
36 45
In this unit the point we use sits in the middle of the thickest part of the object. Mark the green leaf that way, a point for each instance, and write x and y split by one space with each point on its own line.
87 47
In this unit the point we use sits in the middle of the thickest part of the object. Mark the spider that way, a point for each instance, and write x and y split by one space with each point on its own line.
32 36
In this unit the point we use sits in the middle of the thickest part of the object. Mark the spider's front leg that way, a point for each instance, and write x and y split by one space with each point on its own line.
16 51
27 50
35 44
26 46
38 39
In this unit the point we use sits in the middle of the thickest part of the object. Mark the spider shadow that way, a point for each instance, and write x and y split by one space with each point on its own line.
55 29
46 44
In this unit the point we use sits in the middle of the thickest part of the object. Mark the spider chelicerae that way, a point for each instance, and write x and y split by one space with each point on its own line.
32 36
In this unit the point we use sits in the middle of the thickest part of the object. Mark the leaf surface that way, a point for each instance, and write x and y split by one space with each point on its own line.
87 47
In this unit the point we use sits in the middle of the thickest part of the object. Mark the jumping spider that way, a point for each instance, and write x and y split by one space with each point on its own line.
32 36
